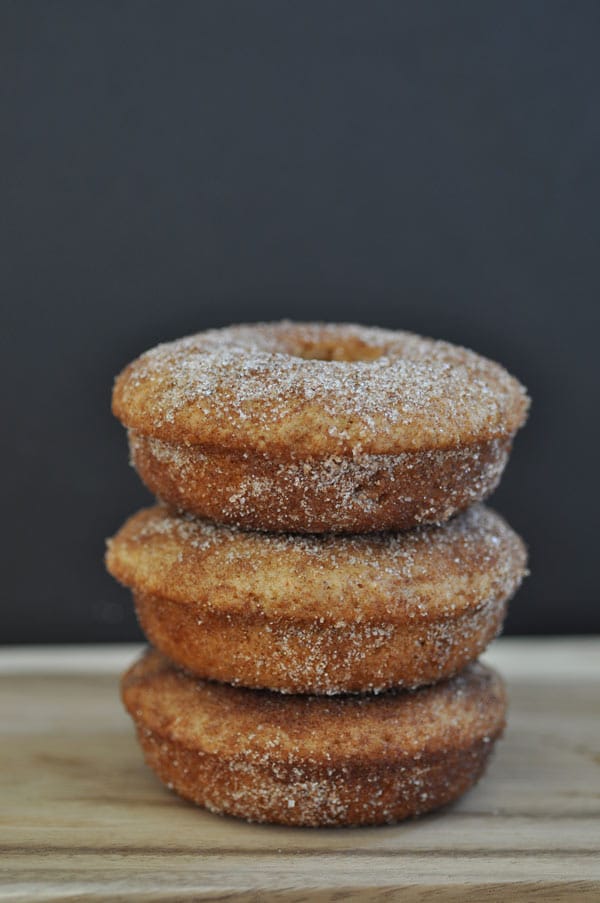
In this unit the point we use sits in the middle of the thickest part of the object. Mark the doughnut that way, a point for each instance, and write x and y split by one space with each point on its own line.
321 613
309 427
314 760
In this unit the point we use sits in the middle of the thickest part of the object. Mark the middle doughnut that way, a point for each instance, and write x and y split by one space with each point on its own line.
319 614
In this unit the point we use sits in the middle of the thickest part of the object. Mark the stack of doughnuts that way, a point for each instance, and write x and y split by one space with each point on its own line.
319 574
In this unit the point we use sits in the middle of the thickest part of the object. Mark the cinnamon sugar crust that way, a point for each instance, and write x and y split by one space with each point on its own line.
334 494
320 613
318 427
309 760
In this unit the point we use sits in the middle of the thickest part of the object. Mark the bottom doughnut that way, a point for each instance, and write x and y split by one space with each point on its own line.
310 760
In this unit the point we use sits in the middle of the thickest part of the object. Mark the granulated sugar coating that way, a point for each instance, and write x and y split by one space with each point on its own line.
334 389
317 671
313 760
321 613
314 427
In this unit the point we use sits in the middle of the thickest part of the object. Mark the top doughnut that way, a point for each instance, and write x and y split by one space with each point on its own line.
312 427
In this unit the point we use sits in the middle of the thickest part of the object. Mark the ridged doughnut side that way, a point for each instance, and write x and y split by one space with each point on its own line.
315 797
293 656
309 760
346 495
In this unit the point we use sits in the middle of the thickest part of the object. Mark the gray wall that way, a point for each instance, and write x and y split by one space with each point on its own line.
173 166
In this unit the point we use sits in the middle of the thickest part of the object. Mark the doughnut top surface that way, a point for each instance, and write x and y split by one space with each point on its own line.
271 727
317 389
392 576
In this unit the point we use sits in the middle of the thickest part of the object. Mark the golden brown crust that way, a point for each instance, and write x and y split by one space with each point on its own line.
367 494
308 760
319 389
314 427
319 614
295 657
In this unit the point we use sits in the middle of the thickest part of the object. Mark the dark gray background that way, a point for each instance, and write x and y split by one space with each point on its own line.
172 166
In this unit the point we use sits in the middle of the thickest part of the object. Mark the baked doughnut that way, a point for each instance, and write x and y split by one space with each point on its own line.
318 428
321 613
311 760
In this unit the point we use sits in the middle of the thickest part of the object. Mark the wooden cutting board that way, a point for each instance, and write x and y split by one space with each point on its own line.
81 818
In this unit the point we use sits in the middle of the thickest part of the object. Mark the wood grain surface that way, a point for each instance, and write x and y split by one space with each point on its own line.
81 818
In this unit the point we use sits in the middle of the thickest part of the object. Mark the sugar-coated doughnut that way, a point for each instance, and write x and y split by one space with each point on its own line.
313 760
321 613
318 427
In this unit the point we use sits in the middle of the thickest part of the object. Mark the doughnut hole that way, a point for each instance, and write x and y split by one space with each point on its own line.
349 350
